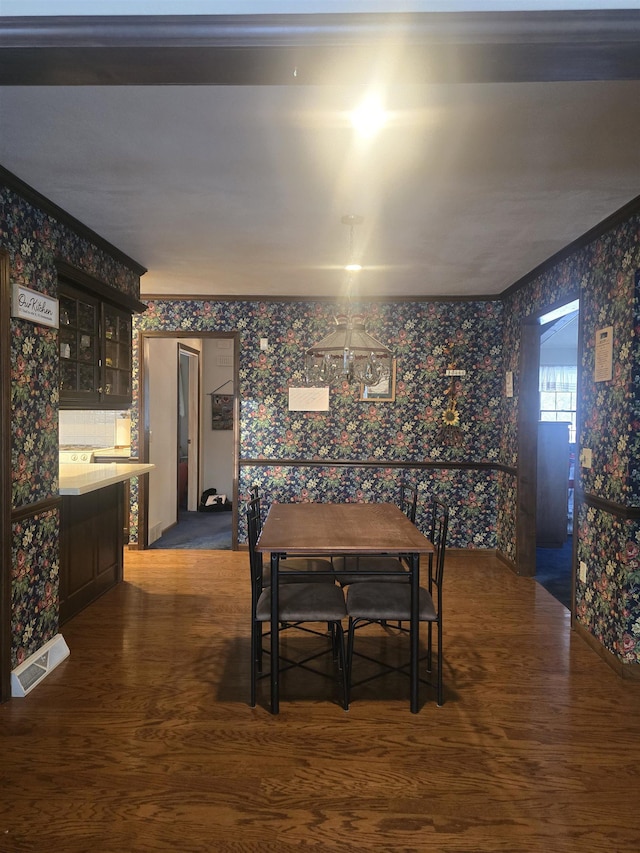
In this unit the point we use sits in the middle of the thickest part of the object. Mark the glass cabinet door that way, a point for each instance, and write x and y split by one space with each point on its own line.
95 351
117 353
79 347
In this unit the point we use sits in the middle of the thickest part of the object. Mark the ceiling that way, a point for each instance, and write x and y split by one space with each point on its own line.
239 190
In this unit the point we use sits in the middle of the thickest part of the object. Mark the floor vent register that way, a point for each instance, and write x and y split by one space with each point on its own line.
36 667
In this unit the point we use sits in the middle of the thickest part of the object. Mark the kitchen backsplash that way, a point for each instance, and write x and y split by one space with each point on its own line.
93 428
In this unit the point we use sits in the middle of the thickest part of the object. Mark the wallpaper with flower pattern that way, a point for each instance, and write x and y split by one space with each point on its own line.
34 583
470 494
605 273
426 338
34 241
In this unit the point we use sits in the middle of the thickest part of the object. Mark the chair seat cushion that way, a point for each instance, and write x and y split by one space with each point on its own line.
374 600
304 602
362 568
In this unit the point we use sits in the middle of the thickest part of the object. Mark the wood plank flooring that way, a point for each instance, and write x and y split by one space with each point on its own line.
142 740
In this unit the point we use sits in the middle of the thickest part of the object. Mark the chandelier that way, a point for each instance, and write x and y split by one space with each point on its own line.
349 353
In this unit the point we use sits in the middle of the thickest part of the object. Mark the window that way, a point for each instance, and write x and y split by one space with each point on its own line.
558 395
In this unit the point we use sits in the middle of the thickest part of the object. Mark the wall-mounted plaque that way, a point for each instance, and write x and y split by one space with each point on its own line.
30 305
604 355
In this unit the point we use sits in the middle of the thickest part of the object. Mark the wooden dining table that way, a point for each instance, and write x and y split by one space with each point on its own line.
350 529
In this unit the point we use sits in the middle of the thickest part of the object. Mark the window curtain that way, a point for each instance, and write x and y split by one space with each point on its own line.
558 377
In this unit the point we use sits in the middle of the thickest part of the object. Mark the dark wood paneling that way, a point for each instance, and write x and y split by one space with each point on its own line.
628 513
199 297
528 411
552 484
99 288
382 463
29 510
5 478
320 48
91 547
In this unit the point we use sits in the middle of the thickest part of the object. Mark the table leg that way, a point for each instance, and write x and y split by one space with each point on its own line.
275 636
414 631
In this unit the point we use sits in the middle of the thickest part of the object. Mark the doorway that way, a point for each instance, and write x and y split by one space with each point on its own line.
530 412
556 455
176 434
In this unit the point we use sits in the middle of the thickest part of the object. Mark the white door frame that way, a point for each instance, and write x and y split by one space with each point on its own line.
192 408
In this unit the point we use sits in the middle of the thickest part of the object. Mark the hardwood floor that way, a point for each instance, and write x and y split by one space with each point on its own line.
142 740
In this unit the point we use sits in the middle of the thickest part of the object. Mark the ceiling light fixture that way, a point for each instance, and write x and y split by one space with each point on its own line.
369 117
348 353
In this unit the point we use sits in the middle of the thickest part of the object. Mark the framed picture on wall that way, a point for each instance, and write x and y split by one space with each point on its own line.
384 391
222 411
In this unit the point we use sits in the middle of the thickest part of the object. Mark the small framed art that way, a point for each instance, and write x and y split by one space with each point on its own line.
384 391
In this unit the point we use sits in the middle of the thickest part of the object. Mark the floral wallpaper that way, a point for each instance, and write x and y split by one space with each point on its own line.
605 272
471 494
34 241
34 583
426 338
481 337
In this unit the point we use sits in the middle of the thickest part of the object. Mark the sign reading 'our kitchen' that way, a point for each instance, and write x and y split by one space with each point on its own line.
30 305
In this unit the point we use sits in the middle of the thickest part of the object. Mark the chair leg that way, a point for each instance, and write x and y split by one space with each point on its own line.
335 647
254 660
429 646
351 631
343 665
440 687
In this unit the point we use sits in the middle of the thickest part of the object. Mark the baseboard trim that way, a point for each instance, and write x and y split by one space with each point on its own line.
500 555
624 670
482 553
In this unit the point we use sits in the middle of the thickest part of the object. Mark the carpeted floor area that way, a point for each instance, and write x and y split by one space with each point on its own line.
553 571
209 531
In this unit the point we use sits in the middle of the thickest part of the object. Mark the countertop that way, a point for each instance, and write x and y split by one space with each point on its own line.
79 479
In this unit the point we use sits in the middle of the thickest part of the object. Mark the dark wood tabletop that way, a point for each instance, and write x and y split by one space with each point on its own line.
340 528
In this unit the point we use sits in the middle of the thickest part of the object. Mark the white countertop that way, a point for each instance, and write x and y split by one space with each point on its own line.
78 479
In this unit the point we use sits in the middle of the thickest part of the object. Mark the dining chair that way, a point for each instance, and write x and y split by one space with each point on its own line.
374 602
361 567
322 569
300 605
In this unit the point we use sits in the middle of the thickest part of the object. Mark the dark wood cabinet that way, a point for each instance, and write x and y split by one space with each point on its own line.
552 484
95 352
91 547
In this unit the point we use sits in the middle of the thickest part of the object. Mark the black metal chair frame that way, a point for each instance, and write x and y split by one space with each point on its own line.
438 535
359 573
258 635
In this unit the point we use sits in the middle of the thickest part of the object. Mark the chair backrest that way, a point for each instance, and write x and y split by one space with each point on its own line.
438 535
254 526
409 501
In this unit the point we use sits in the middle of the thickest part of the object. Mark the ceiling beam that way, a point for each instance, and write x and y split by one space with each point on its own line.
320 49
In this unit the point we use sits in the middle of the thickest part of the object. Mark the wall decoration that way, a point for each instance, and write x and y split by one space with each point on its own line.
450 431
221 411
36 307
603 370
309 399
384 391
